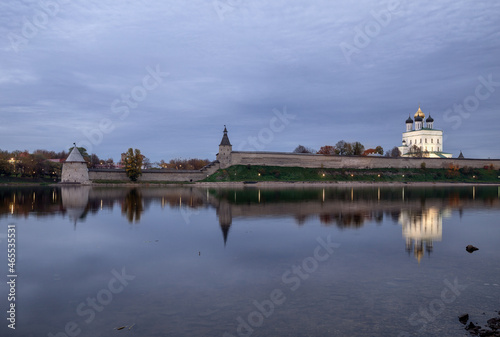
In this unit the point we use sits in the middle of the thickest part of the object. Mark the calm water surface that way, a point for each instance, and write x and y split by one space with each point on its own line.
250 262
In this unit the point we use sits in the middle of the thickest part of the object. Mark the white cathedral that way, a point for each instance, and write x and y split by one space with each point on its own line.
425 137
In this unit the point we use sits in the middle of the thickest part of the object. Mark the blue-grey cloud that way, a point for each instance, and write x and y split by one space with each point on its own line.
236 65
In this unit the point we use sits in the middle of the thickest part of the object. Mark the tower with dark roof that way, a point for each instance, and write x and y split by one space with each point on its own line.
429 122
225 149
409 123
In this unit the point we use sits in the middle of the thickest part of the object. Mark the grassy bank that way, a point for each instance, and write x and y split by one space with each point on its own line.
115 182
275 173
16 180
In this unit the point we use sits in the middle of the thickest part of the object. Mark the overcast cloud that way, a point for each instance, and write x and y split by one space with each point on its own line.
344 70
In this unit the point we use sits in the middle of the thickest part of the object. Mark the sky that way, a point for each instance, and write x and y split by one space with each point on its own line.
166 76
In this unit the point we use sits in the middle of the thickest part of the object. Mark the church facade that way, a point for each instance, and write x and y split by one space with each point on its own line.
421 137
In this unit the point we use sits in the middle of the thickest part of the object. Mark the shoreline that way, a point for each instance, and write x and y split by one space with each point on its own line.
273 184
262 184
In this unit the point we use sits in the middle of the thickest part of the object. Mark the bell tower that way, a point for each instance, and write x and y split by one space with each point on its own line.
225 149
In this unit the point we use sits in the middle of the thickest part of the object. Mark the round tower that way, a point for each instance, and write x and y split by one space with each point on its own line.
75 169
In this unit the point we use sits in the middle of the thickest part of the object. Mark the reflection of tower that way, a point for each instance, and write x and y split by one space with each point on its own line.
75 200
421 228
225 218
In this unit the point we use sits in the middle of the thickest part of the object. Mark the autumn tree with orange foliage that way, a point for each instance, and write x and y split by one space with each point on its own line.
184 164
327 150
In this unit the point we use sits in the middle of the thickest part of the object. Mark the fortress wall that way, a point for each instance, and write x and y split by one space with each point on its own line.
148 175
296 160
313 160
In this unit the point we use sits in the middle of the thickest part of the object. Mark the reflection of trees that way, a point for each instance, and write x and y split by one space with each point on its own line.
132 206
29 200
350 219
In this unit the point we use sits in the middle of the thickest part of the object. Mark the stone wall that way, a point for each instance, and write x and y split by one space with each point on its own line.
314 160
75 172
148 175
295 160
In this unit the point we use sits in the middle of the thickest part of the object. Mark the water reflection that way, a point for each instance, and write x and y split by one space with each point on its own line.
75 201
202 256
132 206
421 228
420 211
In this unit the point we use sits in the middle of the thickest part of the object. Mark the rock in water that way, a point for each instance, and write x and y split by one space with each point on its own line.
463 318
471 248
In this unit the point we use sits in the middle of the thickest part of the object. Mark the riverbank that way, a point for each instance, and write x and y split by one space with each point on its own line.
269 176
253 174
278 184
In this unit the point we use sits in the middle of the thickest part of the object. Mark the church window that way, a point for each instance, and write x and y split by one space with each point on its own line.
420 140
432 140
410 141
432 149
438 141
426 140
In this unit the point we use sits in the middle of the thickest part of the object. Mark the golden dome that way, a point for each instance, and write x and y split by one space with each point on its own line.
419 113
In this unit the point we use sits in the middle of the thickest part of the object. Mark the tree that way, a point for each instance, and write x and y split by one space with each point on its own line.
357 148
380 150
415 151
394 153
5 167
327 150
348 149
303 149
147 163
133 164
340 147
94 160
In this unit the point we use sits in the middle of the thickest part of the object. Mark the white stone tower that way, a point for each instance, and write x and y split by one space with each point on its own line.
225 149
75 169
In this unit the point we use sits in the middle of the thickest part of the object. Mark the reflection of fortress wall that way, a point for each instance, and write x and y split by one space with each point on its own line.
317 161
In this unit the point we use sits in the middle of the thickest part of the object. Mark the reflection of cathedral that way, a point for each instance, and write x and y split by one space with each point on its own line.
421 228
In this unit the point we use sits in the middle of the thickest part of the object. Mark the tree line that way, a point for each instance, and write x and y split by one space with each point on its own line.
343 148
40 163
48 164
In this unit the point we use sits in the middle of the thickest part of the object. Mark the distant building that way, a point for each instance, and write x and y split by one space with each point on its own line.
422 136
56 160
